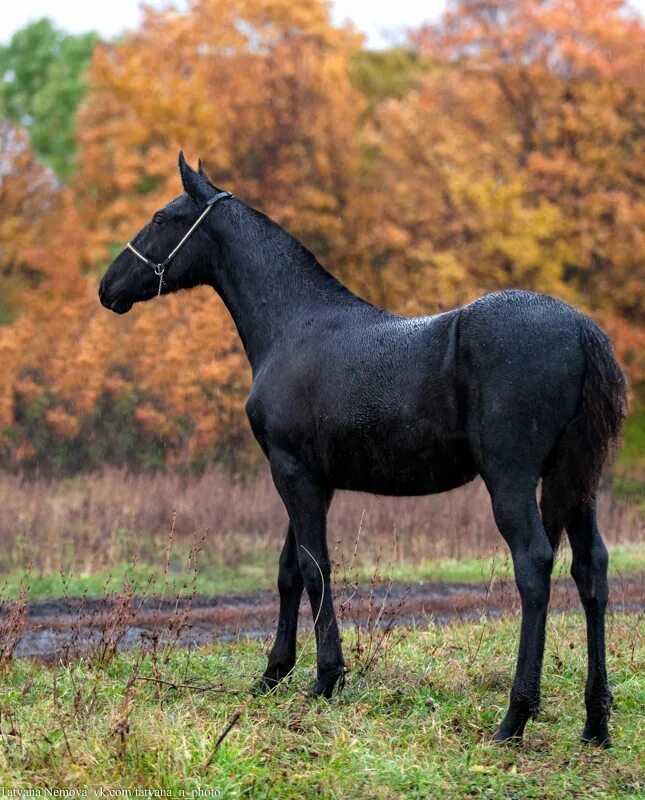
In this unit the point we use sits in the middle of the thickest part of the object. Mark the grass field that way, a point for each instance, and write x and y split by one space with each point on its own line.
414 722
420 705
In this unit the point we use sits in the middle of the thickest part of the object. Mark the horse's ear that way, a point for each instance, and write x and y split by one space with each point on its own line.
193 183
201 171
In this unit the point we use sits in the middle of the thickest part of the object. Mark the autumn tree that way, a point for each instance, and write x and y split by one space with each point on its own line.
456 214
566 78
504 148
261 89
28 195
516 160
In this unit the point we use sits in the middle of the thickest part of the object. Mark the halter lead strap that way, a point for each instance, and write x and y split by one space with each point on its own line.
160 268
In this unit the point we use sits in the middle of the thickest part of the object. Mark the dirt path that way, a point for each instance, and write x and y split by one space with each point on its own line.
55 627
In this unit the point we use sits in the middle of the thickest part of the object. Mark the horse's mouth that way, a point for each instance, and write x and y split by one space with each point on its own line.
121 305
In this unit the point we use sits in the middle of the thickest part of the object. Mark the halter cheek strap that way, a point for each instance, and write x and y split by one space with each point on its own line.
160 268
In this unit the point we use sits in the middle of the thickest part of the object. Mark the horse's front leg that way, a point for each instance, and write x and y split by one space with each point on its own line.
307 502
290 585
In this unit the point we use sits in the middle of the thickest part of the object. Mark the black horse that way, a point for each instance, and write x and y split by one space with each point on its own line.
515 387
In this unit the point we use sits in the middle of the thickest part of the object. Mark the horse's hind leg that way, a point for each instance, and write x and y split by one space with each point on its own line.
290 585
589 570
516 513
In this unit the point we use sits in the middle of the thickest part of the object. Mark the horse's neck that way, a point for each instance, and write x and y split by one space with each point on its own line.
268 280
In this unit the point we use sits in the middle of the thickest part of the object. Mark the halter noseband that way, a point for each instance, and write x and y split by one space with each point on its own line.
160 268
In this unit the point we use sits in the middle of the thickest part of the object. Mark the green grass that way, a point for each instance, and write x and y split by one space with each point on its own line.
624 560
417 725
261 573
629 480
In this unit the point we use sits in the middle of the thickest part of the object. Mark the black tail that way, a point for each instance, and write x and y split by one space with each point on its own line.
592 436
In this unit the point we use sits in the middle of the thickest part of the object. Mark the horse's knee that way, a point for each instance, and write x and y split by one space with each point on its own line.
289 578
599 558
533 567
595 560
509 513
541 556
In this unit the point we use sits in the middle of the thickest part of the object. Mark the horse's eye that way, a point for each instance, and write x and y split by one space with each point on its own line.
158 219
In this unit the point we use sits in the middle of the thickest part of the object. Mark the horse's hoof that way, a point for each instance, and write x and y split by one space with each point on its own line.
263 685
504 737
325 683
510 731
600 738
323 688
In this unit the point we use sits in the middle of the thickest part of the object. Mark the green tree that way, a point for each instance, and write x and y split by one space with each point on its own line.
42 83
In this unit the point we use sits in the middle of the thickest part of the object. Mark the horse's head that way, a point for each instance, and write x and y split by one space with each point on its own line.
169 252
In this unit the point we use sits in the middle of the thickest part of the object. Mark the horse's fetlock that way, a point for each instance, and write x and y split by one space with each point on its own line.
525 701
598 702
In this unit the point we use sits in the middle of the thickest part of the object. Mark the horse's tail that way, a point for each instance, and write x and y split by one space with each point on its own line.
573 471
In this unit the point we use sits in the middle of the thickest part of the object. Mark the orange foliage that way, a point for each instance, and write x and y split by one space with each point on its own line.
262 87
27 195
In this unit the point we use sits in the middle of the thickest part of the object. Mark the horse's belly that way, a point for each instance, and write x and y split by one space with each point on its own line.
402 465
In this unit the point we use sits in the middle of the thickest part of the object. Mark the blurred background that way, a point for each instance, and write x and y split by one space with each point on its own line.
427 153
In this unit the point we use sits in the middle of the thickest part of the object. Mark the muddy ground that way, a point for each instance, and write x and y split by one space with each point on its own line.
54 628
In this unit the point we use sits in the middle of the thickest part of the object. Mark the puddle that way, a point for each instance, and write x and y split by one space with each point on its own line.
55 627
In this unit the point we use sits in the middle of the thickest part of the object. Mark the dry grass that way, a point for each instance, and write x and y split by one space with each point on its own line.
96 521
